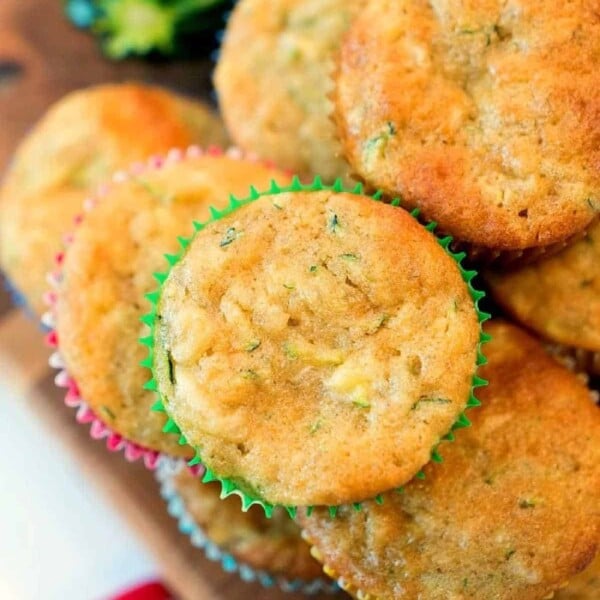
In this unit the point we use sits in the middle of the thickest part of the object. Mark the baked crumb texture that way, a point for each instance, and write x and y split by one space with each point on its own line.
512 514
273 80
274 545
484 114
78 144
558 297
314 347
108 268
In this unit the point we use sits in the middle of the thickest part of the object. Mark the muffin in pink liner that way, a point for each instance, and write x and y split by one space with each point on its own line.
99 283
79 142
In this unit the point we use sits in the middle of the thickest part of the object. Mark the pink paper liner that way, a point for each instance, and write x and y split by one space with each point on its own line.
98 429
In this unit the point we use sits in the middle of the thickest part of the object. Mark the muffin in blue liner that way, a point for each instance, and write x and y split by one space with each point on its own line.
16 296
258 549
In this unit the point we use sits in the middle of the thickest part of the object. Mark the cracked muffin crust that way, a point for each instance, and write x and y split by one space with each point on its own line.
513 511
109 268
314 346
273 545
483 114
81 141
274 76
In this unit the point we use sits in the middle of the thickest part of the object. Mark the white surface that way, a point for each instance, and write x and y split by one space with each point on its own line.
58 539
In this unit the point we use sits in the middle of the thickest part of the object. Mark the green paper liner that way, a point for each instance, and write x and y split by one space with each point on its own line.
229 486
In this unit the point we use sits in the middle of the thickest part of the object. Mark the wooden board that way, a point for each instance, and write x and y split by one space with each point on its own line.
41 58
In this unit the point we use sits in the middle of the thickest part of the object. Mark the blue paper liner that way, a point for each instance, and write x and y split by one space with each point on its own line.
165 471
19 301
17 298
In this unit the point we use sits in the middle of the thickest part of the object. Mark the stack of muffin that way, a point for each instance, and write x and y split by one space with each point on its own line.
310 338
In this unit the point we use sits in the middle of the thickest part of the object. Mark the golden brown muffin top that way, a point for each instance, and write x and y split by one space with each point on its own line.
315 346
512 513
558 297
485 114
90 133
273 545
273 78
109 268
78 143
585 586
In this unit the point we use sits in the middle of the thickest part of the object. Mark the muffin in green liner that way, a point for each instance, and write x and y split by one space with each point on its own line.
513 512
289 347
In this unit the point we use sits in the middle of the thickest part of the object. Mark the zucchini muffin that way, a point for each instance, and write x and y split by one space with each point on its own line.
513 511
81 141
109 268
314 346
559 298
273 79
482 114
273 545
585 586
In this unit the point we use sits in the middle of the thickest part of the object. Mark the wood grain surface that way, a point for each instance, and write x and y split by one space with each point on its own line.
41 58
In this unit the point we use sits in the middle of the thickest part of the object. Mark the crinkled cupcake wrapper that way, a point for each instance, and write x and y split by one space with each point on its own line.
356 592
342 582
84 415
229 486
99 430
508 259
481 256
177 509
584 363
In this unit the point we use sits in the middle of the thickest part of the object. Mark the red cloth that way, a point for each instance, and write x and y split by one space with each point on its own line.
152 590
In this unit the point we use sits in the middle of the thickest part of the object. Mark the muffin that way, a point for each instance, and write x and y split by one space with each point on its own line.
559 298
585 586
273 79
512 513
314 346
269 545
511 163
81 141
108 268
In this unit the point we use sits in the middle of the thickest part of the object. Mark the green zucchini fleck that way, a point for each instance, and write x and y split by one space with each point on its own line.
290 350
109 413
424 399
361 403
171 368
525 503
250 374
334 224
230 236
315 427
252 345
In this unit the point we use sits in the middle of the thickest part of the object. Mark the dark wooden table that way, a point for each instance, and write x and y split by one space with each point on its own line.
41 58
